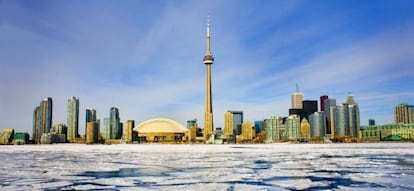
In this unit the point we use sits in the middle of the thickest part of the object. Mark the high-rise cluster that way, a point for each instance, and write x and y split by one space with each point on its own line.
306 123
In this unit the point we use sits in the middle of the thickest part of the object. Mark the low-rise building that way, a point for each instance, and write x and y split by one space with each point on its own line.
388 132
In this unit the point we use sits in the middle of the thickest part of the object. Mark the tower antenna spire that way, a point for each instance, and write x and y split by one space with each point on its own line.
208 25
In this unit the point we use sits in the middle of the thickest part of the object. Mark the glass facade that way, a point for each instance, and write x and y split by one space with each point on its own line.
90 117
317 124
328 104
273 125
354 121
45 118
342 120
107 129
115 124
73 118
293 127
258 126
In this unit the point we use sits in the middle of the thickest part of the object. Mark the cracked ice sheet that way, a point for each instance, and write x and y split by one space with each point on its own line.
212 167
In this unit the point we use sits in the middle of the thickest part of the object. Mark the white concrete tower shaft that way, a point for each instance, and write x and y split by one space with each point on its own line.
208 61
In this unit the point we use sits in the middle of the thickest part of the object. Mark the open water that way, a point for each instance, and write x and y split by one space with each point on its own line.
370 166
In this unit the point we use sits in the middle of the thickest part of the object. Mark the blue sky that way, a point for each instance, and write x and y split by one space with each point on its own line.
145 57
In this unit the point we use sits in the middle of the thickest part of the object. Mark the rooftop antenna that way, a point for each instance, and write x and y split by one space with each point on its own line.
297 87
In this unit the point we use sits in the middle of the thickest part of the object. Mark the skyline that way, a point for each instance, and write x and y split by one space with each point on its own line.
145 58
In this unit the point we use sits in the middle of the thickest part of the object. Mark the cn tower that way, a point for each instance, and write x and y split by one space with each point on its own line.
208 61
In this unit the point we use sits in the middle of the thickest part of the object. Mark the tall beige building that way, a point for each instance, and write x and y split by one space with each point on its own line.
92 132
208 115
228 125
404 113
297 99
128 131
305 129
248 132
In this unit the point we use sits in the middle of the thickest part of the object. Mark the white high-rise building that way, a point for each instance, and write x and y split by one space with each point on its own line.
297 99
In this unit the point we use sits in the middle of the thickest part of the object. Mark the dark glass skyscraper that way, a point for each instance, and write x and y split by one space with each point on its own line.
298 112
258 126
322 102
114 123
309 107
237 121
329 109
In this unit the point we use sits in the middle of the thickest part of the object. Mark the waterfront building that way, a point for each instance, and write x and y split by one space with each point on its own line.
228 132
354 118
371 122
273 126
107 129
208 115
128 131
317 125
46 138
90 117
6 136
92 132
354 121
193 127
45 116
248 132
304 130
42 119
388 132
293 127
322 101
341 121
49 138
21 138
329 109
73 118
218 132
233 123
162 130
309 107
36 123
115 124
404 113
258 126
61 130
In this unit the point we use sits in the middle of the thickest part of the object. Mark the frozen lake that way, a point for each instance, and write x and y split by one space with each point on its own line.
374 166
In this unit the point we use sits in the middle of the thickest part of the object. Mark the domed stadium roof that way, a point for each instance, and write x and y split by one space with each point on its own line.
160 125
